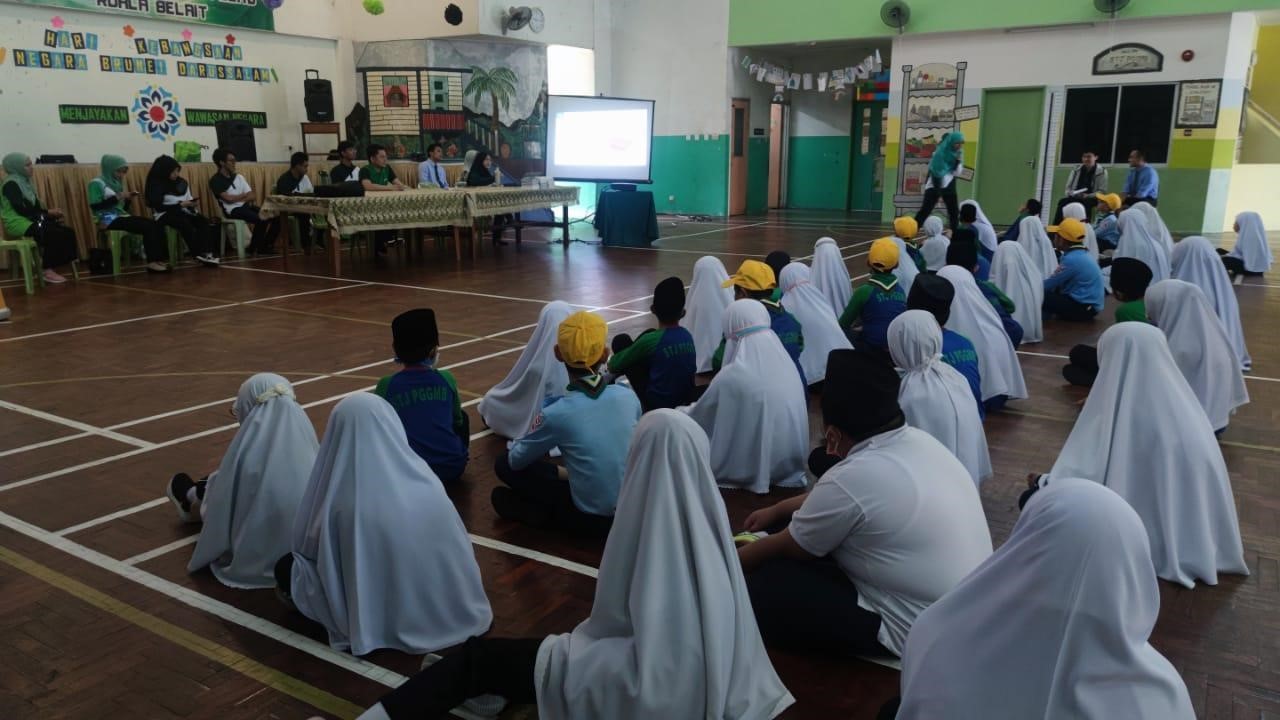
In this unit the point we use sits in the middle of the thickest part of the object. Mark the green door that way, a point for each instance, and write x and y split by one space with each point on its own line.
1008 162
866 186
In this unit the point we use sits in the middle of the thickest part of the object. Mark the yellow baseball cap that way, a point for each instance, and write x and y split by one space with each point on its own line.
752 275
1070 228
1111 200
581 339
905 227
884 253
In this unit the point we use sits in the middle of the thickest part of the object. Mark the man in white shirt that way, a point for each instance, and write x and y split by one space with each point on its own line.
899 516
233 193
430 171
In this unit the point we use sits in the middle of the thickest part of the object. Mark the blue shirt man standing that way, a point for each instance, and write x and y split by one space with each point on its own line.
1142 184
430 171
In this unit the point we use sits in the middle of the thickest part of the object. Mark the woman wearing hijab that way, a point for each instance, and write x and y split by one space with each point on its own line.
171 202
1195 261
1137 242
1155 225
704 309
1019 279
109 201
22 215
944 165
982 226
1144 434
1200 347
380 557
973 317
906 270
477 173
1252 253
692 650
934 247
1035 241
755 410
822 333
1055 625
248 504
510 406
934 396
830 275
1076 211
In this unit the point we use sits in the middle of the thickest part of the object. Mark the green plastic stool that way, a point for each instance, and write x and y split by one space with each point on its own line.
122 244
28 260
240 229
175 243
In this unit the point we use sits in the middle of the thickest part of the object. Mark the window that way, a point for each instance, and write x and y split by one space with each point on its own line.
1113 120
571 70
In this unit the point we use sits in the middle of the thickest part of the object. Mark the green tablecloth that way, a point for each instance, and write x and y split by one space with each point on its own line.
626 219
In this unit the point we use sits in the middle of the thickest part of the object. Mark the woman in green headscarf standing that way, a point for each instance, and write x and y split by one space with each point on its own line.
109 200
945 164
23 216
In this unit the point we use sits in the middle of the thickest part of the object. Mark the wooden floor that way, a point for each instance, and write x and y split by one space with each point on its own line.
109 386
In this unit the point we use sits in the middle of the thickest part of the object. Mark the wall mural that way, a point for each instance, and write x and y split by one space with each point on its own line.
930 95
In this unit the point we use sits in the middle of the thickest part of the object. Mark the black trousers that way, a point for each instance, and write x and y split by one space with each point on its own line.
1088 200
1083 368
483 666
197 232
1067 309
152 235
56 241
811 606
1153 202
545 499
264 231
948 195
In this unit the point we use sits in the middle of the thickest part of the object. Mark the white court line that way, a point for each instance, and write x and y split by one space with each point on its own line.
113 516
45 443
716 230
83 427
1053 356
534 555
162 550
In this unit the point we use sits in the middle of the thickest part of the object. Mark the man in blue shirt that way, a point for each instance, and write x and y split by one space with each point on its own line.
592 425
1074 291
430 171
934 294
1142 184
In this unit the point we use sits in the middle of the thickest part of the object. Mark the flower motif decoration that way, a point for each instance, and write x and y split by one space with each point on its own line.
187 34
57 22
157 112
129 31
231 39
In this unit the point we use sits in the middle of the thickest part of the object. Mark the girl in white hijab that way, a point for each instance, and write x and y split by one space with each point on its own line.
755 409
934 396
1136 241
380 556
1155 225
906 270
934 247
1252 253
1143 434
830 276
1055 625
1018 277
1076 210
1035 241
248 504
704 308
1195 261
671 632
822 333
973 317
987 237
510 406
1200 347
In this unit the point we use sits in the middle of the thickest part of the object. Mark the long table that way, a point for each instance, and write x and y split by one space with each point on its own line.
456 208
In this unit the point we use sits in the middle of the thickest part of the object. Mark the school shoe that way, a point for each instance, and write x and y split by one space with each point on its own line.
488 706
208 260
1237 279
5 314
179 486
156 267
53 278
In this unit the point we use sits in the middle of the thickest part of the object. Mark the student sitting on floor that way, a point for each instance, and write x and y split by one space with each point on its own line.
973 317
1251 255
893 508
935 397
1056 579
1077 211
777 261
934 296
972 217
1137 241
537 377
591 425
1075 291
247 505
830 275
671 632
1107 227
1129 281
906 272
426 399
964 255
661 363
755 409
1195 261
756 281
967 236
1015 276
704 308
1039 247
822 333
906 229
1032 207
934 247
875 304
380 557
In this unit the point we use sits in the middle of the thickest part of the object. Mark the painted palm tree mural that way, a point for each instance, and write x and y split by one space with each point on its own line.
500 85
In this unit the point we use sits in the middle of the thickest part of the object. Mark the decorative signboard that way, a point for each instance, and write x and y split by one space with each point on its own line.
1127 58
1198 102
157 112
968 112
930 110
255 14
197 117
93 115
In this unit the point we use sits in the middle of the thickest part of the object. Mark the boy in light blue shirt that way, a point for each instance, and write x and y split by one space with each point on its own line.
1074 291
1107 228
592 425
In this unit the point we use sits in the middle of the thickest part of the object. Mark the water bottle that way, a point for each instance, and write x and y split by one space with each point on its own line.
324 177
497 177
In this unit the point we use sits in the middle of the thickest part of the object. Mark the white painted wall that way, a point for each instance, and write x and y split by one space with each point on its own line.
742 85
405 20
567 22
571 70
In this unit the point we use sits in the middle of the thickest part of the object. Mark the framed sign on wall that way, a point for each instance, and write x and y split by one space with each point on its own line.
1127 58
1198 102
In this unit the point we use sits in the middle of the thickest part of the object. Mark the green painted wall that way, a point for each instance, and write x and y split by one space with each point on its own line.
818 172
759 22
757 175
695 171
1182 194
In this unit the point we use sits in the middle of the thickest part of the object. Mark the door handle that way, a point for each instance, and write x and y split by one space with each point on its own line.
1031 163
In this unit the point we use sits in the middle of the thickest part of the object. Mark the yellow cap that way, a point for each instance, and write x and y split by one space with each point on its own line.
884 254
581 339
1070 229
1111 200
752 275
905 227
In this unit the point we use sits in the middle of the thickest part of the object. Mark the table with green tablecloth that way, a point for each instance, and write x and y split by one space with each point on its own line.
626 218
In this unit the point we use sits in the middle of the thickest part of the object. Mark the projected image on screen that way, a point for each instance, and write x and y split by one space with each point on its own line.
599 139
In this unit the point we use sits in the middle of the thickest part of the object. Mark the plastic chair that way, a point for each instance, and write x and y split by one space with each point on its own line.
28 260
241 230
121 244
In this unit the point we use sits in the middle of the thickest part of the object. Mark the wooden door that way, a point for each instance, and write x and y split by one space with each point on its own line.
1008 150
777 142
738 130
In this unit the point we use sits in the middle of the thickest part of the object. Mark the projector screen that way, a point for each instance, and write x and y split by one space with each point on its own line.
598 139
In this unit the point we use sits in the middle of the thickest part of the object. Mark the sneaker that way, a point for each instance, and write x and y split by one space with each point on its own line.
5 314
53 278
179 486
208 260
157 267
1237 280
393 241
489 706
